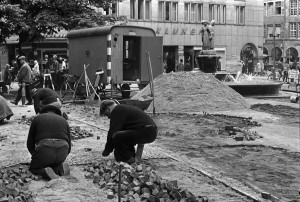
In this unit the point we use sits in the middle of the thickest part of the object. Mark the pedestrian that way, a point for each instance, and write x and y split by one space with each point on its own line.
129 126
35 70
286 68
63 64
49 143
165 67
179 66
5 111
6 79
187 66
55 64
280 69
24 76
241 65
258 69
43 97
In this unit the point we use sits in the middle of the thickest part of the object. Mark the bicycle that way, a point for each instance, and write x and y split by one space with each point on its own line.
71 87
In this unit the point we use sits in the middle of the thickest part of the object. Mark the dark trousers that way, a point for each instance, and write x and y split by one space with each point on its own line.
27 91
48 153
285 76
124 141
3 87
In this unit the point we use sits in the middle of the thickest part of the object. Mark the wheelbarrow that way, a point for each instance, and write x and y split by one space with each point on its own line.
142 104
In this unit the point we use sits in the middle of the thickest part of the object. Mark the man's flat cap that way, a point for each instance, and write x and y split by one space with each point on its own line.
22 57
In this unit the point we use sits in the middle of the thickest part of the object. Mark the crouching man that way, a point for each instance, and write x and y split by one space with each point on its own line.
129 126
49 143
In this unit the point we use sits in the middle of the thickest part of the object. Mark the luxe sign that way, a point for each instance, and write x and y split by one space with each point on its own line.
175 31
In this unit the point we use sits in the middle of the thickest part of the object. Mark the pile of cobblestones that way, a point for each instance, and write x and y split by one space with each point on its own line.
139 183
239 134
78 133
14 184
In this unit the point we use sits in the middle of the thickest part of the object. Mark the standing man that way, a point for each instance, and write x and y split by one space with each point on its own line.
24 76
43 97
49 143
129 126
286 68
180 66
280 69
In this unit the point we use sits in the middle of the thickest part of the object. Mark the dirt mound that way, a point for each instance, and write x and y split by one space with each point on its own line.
192 92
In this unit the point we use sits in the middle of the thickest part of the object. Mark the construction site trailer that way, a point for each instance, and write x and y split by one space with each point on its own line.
119 50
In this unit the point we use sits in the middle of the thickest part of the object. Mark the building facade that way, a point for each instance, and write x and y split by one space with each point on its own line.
282 30
238 26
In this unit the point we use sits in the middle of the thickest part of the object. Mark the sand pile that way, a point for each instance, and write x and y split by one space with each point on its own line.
192 92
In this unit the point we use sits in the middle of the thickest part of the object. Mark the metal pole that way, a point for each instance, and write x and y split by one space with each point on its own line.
151 80
274 50
119 185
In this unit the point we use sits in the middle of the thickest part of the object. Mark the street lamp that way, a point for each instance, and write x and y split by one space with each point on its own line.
273 69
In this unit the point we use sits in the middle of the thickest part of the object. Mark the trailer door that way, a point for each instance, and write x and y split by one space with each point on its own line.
154 45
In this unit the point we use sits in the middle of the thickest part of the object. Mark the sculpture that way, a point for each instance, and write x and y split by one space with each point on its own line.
207 32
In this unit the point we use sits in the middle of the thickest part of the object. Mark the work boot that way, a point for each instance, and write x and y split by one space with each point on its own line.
130 161
50 174
65 115
63 169
14 102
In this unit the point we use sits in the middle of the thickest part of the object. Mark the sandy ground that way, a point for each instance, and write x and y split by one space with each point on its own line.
188 149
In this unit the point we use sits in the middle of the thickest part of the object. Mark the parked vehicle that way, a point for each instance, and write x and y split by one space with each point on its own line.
119 50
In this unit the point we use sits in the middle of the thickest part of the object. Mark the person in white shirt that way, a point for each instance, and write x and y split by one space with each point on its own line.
35 70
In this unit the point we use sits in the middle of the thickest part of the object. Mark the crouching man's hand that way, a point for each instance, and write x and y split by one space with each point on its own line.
105 153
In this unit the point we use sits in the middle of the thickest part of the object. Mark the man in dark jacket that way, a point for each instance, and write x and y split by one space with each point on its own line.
24 76
129 126
43 97
49 143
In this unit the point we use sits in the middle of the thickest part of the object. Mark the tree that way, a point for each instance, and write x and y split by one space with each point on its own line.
31 20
